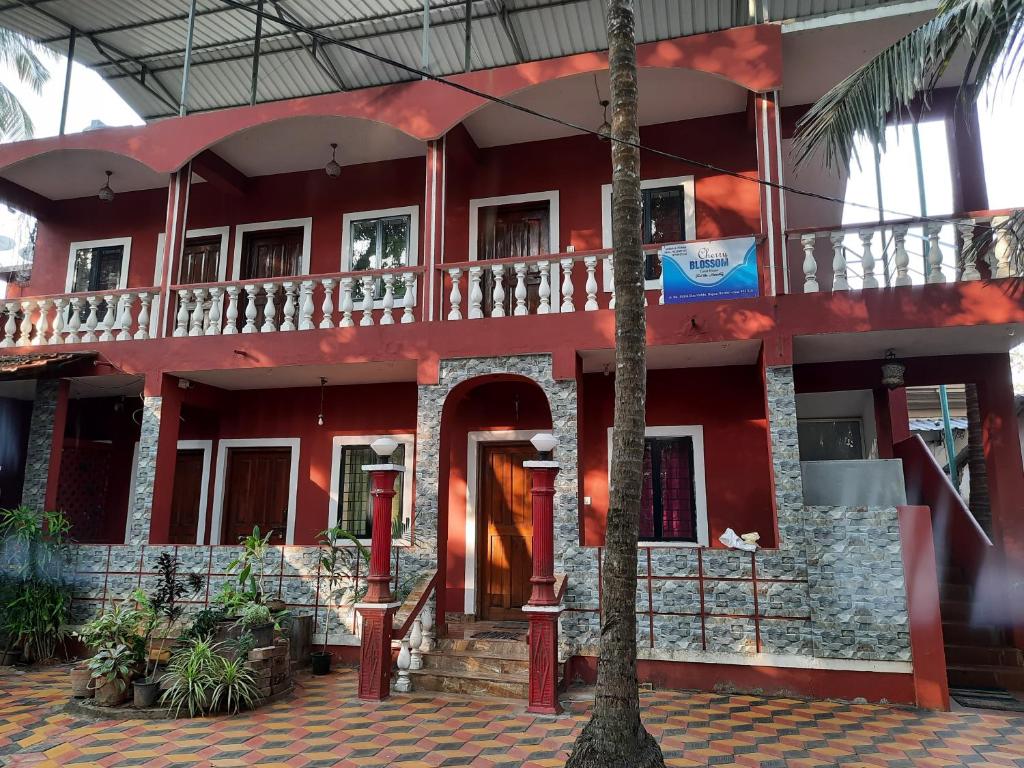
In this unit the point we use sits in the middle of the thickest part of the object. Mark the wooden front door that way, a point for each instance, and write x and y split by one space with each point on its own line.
256 494
506 531
274 253
188 489
511 231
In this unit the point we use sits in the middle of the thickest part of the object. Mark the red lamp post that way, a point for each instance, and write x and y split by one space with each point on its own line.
543 607
378 609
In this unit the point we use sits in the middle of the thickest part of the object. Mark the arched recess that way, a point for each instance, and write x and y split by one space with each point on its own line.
436 443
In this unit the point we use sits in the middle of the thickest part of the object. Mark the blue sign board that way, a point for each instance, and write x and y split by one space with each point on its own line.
710 270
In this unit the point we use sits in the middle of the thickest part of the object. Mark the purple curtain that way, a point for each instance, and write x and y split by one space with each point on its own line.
676 498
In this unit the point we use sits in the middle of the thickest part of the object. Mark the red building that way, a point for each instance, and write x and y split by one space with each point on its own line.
216 344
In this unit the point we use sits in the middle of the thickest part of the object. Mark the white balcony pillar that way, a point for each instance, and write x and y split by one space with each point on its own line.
409 298
250 309
124 316
476 296
198 326
59 319
900 258
868 258
347 303
43 324
288 321
1001 247
92 320
11 326
970 266
935 274
839 279
145 313
521 307
455 296
74 320
25 338
327 307
567 304
388 300
269 309
498 291
231 313
213 319
810 265
181 320
544 292
590 262
366 285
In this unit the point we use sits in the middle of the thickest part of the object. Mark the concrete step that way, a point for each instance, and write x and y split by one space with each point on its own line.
475 661
979 676
506 686
998 656
962 633
505 649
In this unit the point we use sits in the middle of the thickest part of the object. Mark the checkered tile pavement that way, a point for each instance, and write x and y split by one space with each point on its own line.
324 725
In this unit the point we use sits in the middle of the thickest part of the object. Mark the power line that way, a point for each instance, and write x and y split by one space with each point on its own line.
568 123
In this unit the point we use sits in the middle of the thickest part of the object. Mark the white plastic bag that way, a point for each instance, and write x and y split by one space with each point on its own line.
732 541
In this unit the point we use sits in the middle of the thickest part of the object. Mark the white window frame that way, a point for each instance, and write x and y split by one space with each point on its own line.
126 256
224 233
689 218
220 481
408 440
206 446
473 441
347 220
700 493
262 226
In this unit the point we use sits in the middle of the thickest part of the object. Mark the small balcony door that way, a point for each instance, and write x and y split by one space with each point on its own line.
186 496
268 254
512 231
199 261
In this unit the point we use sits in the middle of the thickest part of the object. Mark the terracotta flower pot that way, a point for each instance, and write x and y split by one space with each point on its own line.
110 694
80 683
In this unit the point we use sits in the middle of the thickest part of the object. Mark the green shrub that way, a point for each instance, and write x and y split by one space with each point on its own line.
255 614
235 685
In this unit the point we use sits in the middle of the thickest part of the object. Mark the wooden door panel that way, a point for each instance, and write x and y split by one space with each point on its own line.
512 231
506 524
257 493
188 488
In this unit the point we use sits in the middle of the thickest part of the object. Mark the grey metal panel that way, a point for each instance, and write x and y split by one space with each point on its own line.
545 28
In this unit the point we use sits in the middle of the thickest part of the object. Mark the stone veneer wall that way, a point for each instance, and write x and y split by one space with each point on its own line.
40 442
834 588
145 474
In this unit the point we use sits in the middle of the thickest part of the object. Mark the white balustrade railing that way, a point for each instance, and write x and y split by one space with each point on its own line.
536 285
902 253
300 303
118 315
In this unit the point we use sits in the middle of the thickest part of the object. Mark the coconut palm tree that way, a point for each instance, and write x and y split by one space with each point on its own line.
615 735
984 37
22 56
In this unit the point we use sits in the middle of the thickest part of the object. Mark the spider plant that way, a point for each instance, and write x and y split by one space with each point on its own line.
235 685
191 671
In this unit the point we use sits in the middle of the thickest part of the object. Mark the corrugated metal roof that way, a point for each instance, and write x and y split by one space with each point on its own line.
139 46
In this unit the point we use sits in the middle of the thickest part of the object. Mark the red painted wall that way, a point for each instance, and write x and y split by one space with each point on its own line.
729 403
577 167
355 410
138 215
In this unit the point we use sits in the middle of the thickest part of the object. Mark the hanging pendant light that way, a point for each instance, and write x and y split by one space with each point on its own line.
893 371
332 169
605 128
106 194
320 416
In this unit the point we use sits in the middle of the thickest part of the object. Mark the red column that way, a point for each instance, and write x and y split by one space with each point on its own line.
543 608
378 610
60 418
892 419
767 137
1005 481
174 235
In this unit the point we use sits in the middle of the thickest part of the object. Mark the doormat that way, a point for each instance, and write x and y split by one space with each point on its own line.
493 634
987 698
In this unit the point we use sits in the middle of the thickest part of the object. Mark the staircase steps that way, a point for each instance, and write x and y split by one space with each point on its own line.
977 655
474 667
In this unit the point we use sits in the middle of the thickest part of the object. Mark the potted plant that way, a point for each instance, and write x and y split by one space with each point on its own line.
250 565
164 604
121 624
256 619
336 565
234 684
190 673
111 669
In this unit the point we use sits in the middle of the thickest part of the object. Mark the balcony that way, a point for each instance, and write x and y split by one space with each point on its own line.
900 253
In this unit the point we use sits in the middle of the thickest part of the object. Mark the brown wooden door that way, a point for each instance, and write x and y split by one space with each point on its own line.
199 261
188 489
274 253
511 231
256 494
506 531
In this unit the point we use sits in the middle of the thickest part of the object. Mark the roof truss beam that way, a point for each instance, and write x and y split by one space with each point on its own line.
503 11
219 172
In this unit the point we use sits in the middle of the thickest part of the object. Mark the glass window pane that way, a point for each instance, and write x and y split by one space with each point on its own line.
83 270
355 513
364 244
665 215
830 440
668 509
395 237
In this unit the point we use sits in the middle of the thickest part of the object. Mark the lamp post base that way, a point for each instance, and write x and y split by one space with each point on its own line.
543 659
375 650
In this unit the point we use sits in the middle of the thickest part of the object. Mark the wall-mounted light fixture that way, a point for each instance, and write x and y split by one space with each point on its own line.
893 371
320 416
332 169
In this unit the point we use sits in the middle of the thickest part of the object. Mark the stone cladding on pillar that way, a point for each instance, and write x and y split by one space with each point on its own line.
145 471
40 443
789 488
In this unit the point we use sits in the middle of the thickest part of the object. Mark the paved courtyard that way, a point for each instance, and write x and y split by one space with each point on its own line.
323 725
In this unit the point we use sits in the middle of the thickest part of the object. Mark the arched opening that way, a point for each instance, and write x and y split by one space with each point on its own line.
484 516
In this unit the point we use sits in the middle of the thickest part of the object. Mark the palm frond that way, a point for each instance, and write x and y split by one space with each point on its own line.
25 58
15 122
992 31
984 242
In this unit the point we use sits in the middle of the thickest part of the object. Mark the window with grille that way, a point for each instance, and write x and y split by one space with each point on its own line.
663 222
668 509
97 269
355 504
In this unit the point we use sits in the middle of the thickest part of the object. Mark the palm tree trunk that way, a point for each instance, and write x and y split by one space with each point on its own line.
615 736
980 504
